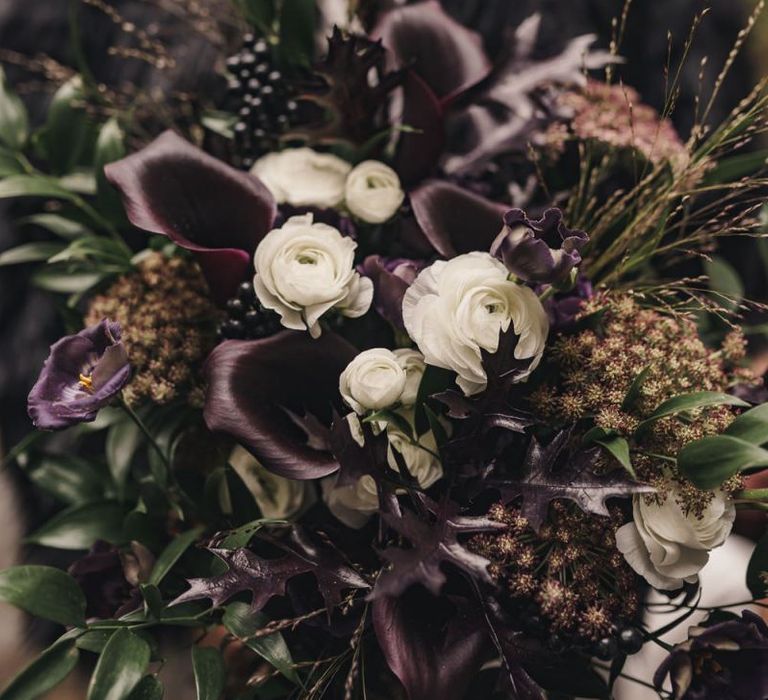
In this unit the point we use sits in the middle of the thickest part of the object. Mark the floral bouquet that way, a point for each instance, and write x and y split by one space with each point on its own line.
397 370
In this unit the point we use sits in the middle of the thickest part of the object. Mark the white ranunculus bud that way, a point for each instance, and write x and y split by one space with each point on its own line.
457 308
276 496
373 192
668 547
374 380
412 361
305 269
302 177
352 505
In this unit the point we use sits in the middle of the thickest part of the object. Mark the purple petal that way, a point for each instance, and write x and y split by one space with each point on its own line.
446 55
58 398
251 382
433 647
391 279
454 220
175 189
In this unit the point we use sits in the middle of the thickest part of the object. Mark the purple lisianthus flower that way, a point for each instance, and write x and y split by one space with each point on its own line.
82 374
543 250
728 660
391 278
563 308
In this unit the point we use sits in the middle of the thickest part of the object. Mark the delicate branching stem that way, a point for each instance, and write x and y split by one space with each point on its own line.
143 428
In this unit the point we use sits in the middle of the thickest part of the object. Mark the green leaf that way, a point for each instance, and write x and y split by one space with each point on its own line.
633 393
68 129
13 116
30 252
171 554
110 147
243 624
44 673
398 421
208 668
149 688
259 13
120 666
297 32
724 280
433 381
757 570
44 592
58 279
710 461
241 536
123 440
56 224
615 444
67 478
33 186
80 526
9 163
221 123
736 167
689 402
751 426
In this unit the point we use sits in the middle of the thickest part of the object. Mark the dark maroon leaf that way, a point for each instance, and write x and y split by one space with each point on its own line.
543 482
435 646
422 141
454 220
251 382
446 55
434 542
355 460
265 578
202 204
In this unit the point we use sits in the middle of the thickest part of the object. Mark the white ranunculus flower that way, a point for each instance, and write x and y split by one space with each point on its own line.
354 504
412 361
276 496
305 269
374 380
373 192
302 177
666 546
457 308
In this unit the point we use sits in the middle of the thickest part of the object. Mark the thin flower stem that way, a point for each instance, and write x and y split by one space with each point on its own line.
141 426
634 679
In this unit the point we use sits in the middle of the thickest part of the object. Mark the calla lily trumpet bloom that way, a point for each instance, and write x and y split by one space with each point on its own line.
82 374
172 188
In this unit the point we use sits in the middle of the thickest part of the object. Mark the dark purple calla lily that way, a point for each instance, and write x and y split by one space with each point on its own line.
202 204
391 278
82 374
257 390
435 647
454 220
446 55
728 660
540 250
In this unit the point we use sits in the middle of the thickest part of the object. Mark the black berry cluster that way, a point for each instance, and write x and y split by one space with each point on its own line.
246 318
262 99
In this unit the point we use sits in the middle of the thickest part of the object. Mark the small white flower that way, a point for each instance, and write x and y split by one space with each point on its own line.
412 361
276 496
457 308
373 192
374 380
354 504
302 177
305 269
666 546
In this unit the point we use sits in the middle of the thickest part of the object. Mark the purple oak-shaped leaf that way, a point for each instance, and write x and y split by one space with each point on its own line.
454 220
391 278
434 542
446 55
726 660
265 578
202 204
543 482
251 383
82 374
540 250
435 646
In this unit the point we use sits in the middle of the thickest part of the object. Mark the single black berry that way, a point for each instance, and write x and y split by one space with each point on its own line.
630 640
607 649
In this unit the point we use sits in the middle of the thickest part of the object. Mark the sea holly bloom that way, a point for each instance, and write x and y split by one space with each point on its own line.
725 660
540 250
172 188
82 374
